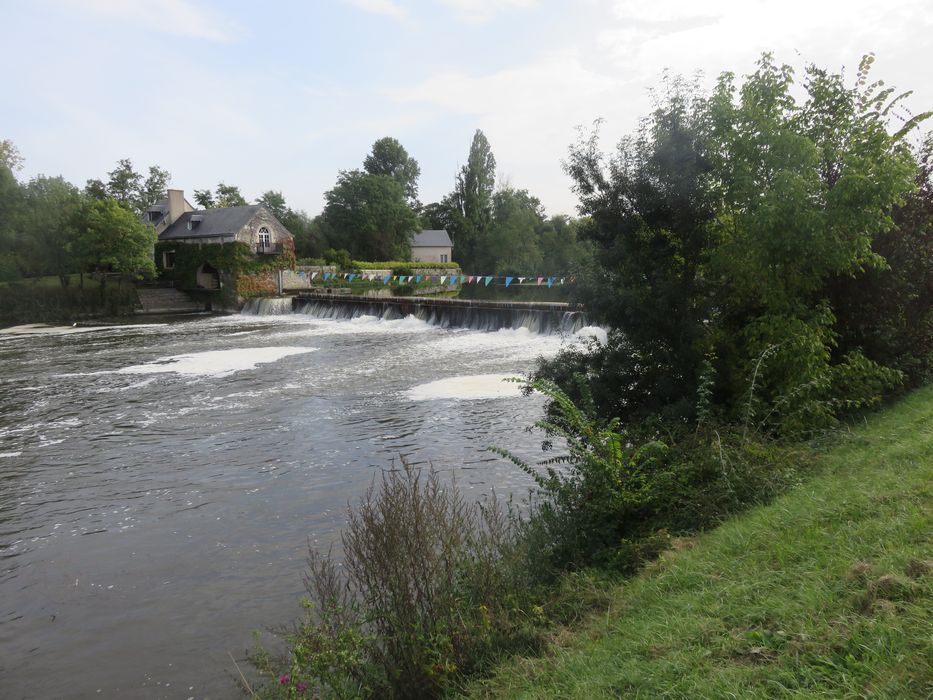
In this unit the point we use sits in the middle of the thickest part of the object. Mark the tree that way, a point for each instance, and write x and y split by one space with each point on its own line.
125 185
10 157
154 188
204 199
389 157
224 196
512 246
274 202
471 203
113 238
95 189
11 207
369 216
50 220
717 229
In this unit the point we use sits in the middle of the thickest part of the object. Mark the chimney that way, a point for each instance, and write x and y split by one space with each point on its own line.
176 205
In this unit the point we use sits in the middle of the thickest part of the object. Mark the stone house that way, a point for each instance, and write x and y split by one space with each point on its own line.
176 221
431 246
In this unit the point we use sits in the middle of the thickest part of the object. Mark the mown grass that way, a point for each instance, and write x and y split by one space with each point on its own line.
824 593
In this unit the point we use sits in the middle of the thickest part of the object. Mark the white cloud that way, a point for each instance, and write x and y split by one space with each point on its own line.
480 11
179 17
389 8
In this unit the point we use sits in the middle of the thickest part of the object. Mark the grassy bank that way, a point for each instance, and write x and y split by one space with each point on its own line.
824 593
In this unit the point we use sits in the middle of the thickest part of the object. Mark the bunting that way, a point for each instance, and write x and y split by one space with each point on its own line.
485 280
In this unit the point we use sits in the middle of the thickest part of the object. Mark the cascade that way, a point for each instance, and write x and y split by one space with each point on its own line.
447 313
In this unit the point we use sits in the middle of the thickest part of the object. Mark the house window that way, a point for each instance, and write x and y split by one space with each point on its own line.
265 238
443 257
168 259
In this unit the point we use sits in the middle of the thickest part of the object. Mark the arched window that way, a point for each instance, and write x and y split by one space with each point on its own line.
265 238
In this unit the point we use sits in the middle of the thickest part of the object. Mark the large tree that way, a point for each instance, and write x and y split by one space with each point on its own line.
389 157
49 225
224 196
130 188
112 238
471 203
369 216
718 227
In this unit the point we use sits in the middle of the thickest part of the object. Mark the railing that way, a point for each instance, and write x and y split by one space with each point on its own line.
269 249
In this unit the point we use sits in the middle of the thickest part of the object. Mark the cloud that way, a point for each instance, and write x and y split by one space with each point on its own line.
179 17
480 11
389 8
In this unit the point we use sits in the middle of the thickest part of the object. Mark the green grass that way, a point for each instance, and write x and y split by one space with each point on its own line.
825 593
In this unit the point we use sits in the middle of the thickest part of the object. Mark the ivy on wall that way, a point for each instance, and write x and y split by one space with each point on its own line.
250 275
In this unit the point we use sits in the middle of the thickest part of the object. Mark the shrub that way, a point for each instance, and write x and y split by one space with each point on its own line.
424 595
614 497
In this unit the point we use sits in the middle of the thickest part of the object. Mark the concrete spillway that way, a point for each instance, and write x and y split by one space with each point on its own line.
476 314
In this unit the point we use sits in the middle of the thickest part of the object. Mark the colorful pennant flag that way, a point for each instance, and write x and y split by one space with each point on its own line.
540 280
508 281
488 280
550 281
385 280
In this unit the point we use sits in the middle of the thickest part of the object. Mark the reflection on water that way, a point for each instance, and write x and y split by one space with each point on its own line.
158 484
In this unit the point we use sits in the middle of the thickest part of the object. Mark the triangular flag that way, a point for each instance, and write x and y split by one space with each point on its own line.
488 280
385 280
521 280
550 281
350 277
540 280
417 279
508 281
470 280
443 279
313 275
561 280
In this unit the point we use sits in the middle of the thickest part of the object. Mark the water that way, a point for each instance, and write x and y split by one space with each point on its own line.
159 484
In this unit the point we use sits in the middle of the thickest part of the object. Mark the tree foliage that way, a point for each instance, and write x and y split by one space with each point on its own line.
389 157
368 216
223 196
114 239
718 226
130 188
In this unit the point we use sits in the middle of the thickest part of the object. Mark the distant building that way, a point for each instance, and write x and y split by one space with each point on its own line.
176 221
431 246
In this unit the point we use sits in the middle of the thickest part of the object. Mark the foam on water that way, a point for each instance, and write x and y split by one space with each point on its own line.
473 386
215 363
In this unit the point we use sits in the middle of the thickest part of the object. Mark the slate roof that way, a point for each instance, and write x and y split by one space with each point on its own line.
214 222
431 238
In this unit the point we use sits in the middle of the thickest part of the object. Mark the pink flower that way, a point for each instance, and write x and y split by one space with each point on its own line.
284 679
301 687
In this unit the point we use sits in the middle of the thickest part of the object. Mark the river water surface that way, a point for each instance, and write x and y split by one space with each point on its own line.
159 483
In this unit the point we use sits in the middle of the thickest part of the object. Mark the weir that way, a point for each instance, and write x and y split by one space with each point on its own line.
476 314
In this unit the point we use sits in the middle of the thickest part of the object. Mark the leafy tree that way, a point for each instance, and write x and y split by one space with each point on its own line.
887 312
154 188
369 216
125 184
274 202
229 196
224 196
10 157
113 238
205 199
470 204
562 251
717 227
50 220
389 157
11 206
95 189
512 246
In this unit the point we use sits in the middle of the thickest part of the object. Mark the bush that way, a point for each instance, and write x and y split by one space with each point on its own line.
613 498
424 595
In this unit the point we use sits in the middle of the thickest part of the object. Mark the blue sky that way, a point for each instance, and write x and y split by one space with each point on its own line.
283 95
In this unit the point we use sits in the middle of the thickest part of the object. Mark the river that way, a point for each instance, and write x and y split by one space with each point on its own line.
160 482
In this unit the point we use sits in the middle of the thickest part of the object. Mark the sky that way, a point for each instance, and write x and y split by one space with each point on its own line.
284 95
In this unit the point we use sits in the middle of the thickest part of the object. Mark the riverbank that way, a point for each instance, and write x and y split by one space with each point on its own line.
825 592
